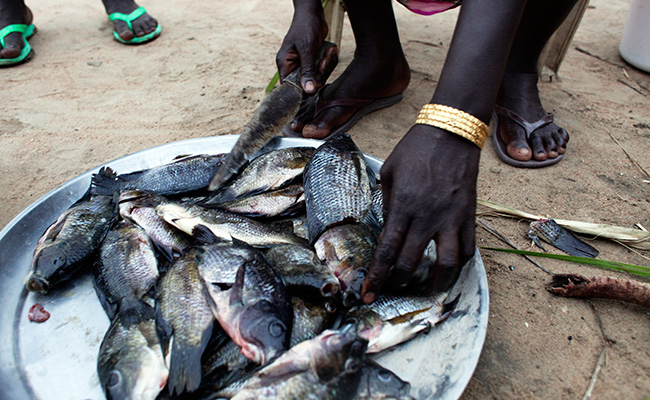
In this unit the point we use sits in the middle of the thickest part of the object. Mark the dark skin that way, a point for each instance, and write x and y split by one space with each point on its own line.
433 198
16 12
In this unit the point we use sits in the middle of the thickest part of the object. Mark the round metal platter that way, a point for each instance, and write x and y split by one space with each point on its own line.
57 359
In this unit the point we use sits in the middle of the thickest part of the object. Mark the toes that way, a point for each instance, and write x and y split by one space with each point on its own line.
327 120
123 30
538 147
519 150
13 45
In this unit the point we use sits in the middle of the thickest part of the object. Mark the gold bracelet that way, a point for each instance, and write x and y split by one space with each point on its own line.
455 121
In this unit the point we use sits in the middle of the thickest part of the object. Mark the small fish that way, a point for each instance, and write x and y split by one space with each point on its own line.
277 109
184 315
185 174
549 231
68 244
279 202
348 250
131 363
211 225
309 320
268 171
303 272
325 367
127 268
140 207
255 310
392 320
379 383
337 185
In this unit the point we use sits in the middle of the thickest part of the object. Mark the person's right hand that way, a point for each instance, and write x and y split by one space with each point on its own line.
301 45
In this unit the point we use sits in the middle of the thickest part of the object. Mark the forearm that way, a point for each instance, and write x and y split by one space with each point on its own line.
477 56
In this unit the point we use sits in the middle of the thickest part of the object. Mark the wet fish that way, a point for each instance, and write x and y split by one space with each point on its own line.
269 204
325 368
127 268
255 310
68 244
184 315
337 185
348 250
377 204
268 171
303 272
379 383
392 319
185 174
140 207
211 225
277 109
309 320
131 364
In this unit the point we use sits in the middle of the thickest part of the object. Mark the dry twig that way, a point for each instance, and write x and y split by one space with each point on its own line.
572 285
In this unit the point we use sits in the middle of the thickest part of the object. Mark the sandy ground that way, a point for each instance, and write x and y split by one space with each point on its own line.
85 100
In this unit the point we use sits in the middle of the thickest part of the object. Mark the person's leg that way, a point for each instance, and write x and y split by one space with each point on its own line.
142 26
379 68
519 92
13 12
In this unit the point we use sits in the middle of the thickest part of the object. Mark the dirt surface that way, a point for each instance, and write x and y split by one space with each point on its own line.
85 99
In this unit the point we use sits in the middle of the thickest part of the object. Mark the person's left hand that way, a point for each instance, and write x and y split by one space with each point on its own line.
429 189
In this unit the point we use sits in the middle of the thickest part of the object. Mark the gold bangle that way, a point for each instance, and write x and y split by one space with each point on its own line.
455 121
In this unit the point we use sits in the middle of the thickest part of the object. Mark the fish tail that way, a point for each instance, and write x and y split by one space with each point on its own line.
184 368
135 312
105 182
448 307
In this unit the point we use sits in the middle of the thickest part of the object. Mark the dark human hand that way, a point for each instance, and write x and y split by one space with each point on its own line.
301 47
429 189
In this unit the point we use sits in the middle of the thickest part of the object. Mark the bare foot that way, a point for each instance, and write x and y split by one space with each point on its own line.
13 14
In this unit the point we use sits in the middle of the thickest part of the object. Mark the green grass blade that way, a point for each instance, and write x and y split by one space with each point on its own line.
611 265
271 84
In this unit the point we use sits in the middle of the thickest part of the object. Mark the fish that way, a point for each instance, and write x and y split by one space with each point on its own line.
377 204
140 207
268 171
255 310
184 316
348 250
325 367
337 185
392 319
309 319
548 230
273 203
211 225
303 272
276 110
69 243
127 268
184 174
131 363
379 383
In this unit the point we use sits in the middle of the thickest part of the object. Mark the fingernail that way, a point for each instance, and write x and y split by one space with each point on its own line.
310 86
369 297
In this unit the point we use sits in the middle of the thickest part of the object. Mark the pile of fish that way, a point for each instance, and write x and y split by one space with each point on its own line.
247 291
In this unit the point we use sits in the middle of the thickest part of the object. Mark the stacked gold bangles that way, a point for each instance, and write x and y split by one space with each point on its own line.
455 121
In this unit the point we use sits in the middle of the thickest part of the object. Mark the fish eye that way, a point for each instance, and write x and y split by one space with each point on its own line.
330 307
277 328
384 375
351 365
114 379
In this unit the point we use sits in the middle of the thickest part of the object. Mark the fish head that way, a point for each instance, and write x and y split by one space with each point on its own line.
339 352
378 382
265 330
367 322
139 373
50 266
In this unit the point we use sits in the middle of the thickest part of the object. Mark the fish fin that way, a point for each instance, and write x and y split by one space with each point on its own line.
571 245
373 222
448 307
163 328
105 182
237 289
135 312
101 289
537 241
205 235
185 366
272 145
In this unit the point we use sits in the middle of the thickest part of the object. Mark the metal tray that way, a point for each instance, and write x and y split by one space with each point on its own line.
57 359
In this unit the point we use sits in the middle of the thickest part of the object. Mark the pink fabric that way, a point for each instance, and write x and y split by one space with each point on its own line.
429 7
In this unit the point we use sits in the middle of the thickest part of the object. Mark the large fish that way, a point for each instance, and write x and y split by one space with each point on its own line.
185 174
324 368
131 364
68 244
184 315
268 171
255 310
267 121
140 207
337 185
127 268
213 225
391 319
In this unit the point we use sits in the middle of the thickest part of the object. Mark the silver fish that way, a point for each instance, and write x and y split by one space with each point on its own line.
184 315
324 368
67 245
337 185
131 363
184 174
268 204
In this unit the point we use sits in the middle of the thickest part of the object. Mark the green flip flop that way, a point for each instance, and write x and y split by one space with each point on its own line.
128 18
27 31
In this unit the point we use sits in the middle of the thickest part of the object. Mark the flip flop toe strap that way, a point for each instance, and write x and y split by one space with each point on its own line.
529 127
128 18
324 105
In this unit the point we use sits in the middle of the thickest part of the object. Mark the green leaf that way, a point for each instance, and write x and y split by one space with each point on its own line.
611 265
271 84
